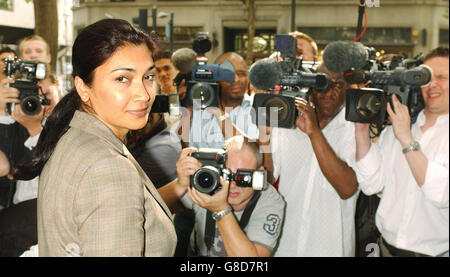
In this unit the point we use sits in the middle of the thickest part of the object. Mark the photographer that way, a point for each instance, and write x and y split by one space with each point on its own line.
306 46
227 238
22 130
165 73
12 134
35 48
313 162
19 133
409 167
211 127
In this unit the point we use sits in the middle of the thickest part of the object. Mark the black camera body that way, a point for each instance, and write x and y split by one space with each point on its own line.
207 178
166 103
369 105
28 73
202 87
296 79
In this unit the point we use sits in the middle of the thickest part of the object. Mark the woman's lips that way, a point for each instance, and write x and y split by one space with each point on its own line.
139 113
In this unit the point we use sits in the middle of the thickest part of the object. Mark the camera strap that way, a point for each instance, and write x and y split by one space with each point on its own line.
210 224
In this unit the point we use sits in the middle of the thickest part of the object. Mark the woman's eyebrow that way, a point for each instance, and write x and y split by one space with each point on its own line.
123 69
130 69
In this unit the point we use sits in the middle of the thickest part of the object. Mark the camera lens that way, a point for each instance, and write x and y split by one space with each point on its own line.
276 106
369 105
203 92
31 105
206 179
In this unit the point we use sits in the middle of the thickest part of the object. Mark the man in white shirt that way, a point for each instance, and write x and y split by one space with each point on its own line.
313 162
409 167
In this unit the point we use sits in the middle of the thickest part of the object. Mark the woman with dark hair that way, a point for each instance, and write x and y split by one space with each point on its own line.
94 199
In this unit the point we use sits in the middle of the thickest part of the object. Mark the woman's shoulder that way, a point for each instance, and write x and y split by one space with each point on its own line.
79 151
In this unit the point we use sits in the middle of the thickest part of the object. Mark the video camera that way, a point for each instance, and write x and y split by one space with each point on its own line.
399 76
207 178
288 80
203 83
27 74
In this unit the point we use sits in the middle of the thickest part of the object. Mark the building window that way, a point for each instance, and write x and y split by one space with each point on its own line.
443 37
236 40
6 5
386 40
182 36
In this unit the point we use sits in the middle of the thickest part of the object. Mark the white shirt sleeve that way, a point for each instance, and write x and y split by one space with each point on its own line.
436 185
31 142
274 140
369 171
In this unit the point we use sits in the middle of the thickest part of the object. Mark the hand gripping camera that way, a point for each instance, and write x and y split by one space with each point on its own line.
203 86
207 178
27 75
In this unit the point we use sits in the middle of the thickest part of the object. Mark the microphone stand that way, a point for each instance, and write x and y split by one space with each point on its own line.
362 7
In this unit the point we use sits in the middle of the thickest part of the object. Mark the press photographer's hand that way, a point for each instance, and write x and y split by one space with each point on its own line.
186 166
31 122
214 203
401 121
7 95
307 121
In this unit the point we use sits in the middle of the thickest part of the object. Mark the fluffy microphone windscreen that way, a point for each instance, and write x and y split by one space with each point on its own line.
341 56
184 60
265 74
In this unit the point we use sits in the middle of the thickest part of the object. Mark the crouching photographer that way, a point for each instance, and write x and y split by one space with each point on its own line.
236 216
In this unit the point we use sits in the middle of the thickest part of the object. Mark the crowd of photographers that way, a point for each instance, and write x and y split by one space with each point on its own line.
281 172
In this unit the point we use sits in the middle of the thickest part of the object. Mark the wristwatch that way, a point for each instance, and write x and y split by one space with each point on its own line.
414 146
218 215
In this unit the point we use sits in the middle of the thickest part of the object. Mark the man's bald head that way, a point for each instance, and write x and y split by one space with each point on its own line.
235 91
227 56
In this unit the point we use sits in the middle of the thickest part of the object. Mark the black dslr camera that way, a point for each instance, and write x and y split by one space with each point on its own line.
203 89
27 75
293 79
402 77
207 178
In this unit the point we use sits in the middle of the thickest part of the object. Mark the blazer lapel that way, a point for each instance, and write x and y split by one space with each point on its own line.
148 184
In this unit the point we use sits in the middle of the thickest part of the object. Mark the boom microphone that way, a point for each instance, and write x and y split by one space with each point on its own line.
342 56
184 60
265 74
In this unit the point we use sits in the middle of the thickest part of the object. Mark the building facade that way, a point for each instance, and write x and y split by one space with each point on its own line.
393 26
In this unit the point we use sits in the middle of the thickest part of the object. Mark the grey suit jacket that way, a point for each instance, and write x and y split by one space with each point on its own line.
95 200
